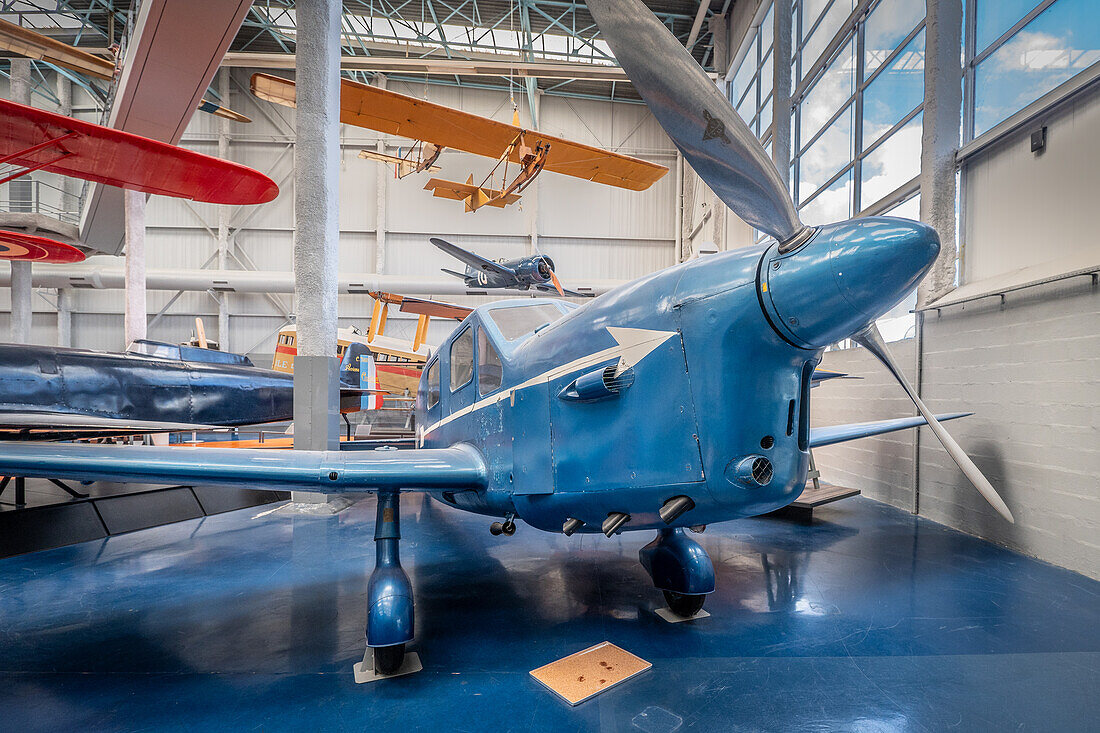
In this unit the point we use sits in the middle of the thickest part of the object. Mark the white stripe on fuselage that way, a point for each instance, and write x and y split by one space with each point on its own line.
633 345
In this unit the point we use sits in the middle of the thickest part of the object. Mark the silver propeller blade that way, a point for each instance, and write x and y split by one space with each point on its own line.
697 116
871 339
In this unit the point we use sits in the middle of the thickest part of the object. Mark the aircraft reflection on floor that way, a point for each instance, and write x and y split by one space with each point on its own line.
238 612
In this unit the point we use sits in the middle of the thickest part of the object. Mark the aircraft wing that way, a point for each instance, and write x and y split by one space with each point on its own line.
475 196
36 139
853 431
47 425
329 472
436 308
823 375
31 248
397 114
550 289
475 261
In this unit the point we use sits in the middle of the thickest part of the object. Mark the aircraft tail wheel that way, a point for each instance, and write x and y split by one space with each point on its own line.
684 605
496 529
509 528
388 659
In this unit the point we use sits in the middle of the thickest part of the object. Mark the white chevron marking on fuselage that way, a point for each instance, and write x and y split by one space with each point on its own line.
632 345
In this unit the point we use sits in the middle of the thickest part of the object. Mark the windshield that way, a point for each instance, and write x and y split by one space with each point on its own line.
154 348
516 322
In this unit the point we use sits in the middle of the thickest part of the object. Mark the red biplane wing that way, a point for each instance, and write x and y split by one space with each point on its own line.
40 140
29 248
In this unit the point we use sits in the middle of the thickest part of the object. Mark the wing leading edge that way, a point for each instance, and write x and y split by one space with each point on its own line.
328 472
472 259
853 431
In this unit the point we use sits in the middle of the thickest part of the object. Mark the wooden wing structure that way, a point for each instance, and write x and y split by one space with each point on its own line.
425 309
25 42
474 195
34 139
385 111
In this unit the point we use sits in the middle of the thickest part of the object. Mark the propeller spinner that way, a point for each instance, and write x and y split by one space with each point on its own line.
727 156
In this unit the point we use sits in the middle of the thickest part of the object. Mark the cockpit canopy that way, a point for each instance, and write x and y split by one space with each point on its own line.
162 350
516 322
478 351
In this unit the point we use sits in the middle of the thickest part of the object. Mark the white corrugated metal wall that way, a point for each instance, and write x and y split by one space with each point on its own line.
589 230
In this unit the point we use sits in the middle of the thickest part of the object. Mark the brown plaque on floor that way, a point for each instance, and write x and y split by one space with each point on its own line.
585 674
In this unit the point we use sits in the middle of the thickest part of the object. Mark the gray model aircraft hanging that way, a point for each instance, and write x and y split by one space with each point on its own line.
522 273
53 393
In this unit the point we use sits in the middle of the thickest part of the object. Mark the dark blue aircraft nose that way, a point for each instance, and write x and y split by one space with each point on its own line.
846 276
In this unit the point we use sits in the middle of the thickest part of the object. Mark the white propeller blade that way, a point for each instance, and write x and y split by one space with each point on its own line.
871 339
698 117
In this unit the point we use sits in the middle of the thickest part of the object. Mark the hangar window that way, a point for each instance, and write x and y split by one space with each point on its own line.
520 321
462 359
1021 50
490 371
433 384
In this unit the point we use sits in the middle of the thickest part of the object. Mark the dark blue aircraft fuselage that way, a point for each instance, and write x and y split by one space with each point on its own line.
137 387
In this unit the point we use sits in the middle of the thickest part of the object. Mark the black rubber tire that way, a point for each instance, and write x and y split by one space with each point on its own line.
388 659
496 529
509 529
684 605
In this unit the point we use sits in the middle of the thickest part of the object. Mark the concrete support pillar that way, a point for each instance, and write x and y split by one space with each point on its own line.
940 139
223 215
316 236
21 306
64 317
382 202
135 316
21 302
720 39
781 91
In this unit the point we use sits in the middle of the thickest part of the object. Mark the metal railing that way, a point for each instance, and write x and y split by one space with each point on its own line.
29 195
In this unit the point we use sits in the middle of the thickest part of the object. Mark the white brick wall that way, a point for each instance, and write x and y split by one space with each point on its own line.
1031 373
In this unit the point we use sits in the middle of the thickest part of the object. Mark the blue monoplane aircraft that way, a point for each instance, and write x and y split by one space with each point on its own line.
677 400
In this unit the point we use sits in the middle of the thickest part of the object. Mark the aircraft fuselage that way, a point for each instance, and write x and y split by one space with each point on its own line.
60 381
718 353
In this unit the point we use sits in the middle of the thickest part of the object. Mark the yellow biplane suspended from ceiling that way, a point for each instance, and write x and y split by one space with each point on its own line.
435 128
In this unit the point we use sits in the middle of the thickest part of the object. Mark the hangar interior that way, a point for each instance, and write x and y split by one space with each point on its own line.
914 606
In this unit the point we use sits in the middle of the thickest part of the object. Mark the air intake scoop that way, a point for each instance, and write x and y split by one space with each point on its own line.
598 384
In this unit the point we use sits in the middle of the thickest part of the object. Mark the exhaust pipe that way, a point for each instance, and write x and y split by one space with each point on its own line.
671 510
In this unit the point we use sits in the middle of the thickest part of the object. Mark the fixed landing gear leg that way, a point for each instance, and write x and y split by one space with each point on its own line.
681 568
389 593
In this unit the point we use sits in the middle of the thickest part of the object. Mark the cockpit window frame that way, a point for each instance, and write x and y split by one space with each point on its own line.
485 341
467 330
429 404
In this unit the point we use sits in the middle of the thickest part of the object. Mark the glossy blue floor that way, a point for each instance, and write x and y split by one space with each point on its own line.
868 619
